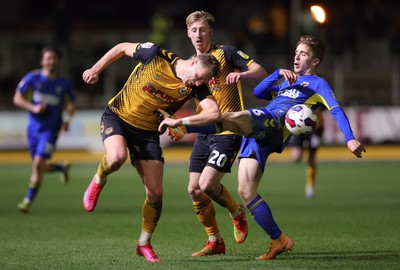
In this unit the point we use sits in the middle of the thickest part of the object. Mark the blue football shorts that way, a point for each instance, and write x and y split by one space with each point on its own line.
42 144
268 137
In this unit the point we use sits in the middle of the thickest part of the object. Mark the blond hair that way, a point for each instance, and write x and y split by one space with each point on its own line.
200 15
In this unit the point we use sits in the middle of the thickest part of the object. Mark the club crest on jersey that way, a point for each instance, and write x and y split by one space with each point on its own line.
147 45
243 55
157 77
183 91
304 84
109 130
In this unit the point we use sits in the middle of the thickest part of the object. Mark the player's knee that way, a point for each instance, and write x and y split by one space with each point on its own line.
194 191
155 195
116 161
244 194
115 164
209 188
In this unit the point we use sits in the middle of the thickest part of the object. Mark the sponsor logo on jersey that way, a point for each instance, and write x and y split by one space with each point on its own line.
243 55
214 84
149 88
45 98
162 96
291 93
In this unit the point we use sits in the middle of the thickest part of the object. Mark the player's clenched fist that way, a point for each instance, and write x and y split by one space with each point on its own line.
90 76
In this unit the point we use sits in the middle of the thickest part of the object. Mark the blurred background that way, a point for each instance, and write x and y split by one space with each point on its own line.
361 62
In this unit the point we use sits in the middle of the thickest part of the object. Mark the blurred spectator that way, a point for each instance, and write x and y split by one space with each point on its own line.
61 24
260 31
346 37
395 40
279 19
375 20
307 24
161 27
238 26
344 27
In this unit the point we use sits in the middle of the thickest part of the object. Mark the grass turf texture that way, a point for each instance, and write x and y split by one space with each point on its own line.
352 223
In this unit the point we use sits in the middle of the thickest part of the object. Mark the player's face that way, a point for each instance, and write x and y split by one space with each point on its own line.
303 60
50 61
197 74
200 34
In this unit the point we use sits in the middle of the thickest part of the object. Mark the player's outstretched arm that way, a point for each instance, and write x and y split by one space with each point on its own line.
209 115
91 76
356 148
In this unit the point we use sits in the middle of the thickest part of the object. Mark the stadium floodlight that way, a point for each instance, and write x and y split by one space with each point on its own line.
318 14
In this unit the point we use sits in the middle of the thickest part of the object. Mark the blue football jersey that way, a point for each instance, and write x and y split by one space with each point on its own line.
311 90
54 92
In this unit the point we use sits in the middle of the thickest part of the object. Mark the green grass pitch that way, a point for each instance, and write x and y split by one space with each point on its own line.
352 223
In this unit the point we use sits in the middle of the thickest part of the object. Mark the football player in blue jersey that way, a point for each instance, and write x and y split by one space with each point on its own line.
265 132
50 101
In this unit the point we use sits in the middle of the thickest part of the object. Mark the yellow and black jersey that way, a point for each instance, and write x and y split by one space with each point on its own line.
152 84
228 96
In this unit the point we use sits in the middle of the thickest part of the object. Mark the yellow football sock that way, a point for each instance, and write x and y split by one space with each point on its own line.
311 172
225 200
151 212
104 170
206 215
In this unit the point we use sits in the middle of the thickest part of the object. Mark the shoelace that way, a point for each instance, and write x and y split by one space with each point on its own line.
238 221
150 252
211 245
94 190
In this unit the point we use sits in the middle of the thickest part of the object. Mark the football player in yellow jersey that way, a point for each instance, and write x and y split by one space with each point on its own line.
160 80
213 155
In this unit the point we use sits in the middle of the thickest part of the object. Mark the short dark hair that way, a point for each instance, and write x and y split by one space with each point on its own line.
316 45
211 62
51 49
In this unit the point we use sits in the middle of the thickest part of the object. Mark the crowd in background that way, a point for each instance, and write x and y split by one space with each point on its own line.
355 29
